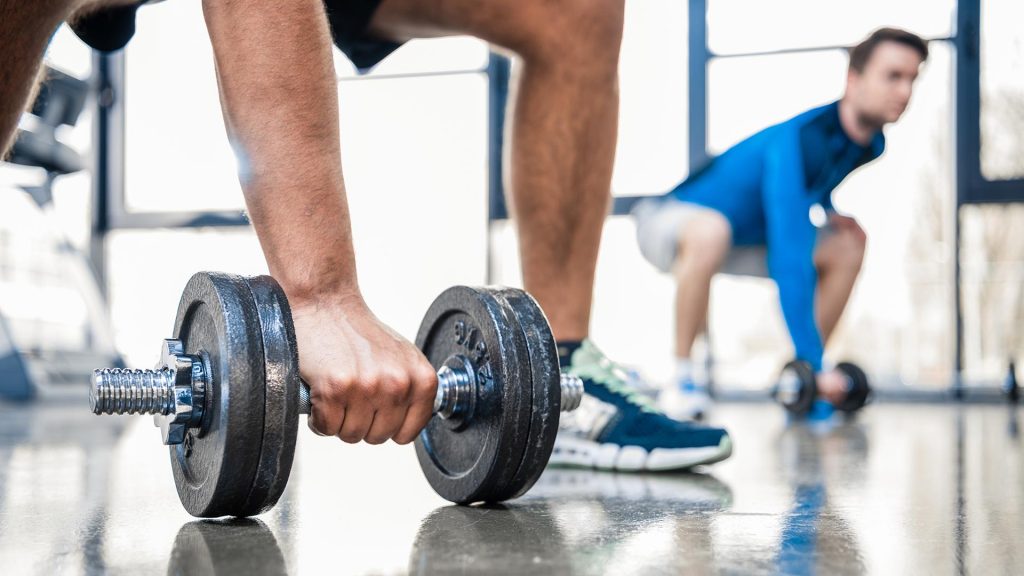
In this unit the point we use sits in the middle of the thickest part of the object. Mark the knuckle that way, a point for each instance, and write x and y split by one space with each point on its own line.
336 389
375 440
425 386
403 439
316 426
350 437
395 388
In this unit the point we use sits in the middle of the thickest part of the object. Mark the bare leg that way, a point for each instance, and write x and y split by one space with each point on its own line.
704 243
838 260
563 129
25 30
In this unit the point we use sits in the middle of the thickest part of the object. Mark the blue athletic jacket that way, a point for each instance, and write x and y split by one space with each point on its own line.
766 186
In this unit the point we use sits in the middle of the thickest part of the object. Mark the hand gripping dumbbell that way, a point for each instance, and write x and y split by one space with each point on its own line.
227 395
797 388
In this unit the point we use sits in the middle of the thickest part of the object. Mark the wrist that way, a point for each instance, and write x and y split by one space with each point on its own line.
339 295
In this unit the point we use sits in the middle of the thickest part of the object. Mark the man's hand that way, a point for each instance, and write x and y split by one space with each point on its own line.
366 382
832 386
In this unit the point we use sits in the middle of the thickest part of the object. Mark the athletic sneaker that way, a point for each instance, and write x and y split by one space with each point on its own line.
616 428
642 384
686 400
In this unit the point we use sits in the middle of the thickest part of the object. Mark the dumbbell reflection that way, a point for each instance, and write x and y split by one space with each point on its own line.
578 521
216 548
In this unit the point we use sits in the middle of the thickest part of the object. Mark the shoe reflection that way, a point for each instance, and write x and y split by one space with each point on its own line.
219 547
578 521
691 491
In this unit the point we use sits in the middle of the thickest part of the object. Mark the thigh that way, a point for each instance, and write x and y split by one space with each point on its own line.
662 224
497 21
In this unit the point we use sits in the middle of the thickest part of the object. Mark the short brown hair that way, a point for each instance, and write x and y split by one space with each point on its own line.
861 53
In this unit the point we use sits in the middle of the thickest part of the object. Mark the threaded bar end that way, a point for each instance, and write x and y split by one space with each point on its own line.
127 391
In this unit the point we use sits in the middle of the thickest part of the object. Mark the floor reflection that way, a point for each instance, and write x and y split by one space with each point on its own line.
228 547
814 538
907 489
578 521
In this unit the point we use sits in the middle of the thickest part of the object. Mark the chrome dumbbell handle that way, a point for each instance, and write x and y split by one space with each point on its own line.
455 386
174 392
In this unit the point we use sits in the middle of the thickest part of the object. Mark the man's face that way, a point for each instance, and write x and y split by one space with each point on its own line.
881 92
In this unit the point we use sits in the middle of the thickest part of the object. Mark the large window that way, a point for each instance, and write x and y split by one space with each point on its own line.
746 94
178 157
652 149
741 26
1002 90
49 304
992 288
414 140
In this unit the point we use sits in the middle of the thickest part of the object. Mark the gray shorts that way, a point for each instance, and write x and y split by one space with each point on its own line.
657 232
658 223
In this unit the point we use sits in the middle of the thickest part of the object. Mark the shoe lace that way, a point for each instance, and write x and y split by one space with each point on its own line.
616 379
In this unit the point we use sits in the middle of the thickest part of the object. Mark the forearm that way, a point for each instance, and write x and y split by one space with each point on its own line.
796 280
798 311
279 96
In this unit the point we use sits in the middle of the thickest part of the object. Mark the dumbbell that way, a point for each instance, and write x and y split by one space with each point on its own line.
226 394
797 388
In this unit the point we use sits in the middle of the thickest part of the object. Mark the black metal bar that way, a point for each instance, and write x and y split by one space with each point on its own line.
994 191
144 220
498 72
406 75
822 48
108 154
698 58
967 103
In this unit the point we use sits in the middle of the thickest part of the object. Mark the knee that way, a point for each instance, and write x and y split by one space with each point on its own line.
853 243
705 242
580 37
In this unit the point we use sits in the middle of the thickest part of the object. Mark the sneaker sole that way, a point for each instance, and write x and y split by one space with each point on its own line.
577 452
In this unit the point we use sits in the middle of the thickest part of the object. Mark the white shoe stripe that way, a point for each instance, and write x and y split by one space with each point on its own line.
589 454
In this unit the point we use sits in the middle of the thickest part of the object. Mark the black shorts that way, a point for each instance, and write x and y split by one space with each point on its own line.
111 29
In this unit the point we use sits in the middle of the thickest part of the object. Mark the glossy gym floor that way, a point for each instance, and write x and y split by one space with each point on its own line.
907 488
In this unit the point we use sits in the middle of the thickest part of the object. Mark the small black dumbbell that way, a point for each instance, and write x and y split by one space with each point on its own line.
797 388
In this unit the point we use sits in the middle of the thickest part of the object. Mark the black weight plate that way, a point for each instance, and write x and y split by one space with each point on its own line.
547 390
797 388
860 390
214 469
281 411
473 459
216 547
